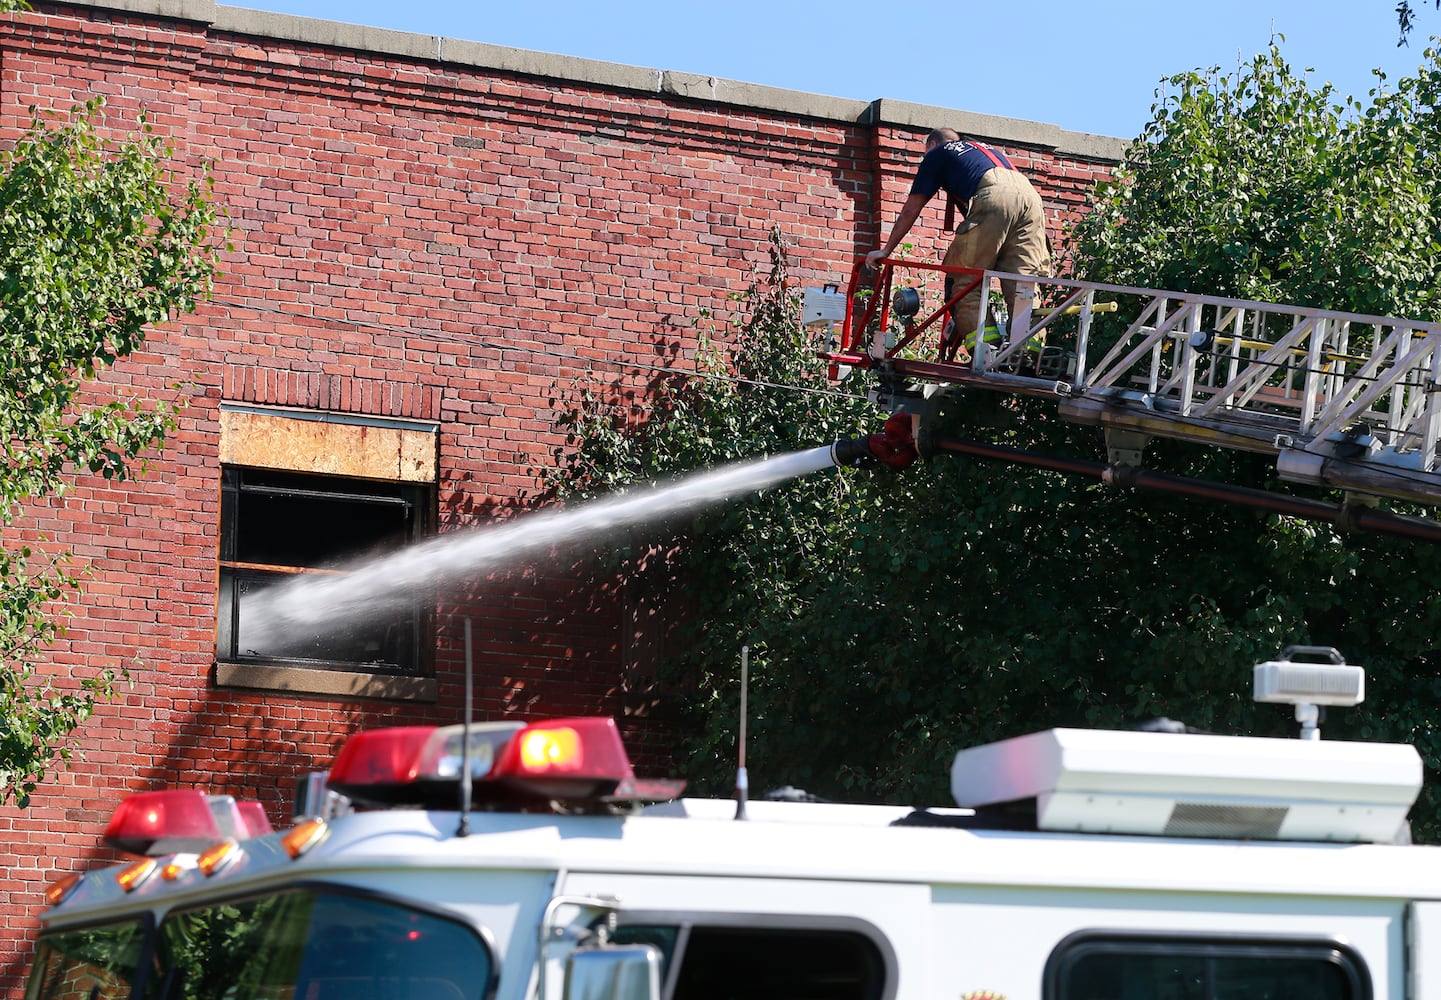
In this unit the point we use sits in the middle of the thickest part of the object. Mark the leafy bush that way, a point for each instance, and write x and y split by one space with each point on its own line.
99 239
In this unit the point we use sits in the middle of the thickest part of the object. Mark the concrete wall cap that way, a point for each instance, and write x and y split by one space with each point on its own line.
331 34
185 10
924 117
526 62
1096 147
754 95
694 86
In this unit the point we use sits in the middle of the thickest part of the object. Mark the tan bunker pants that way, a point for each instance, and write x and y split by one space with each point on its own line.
1004 230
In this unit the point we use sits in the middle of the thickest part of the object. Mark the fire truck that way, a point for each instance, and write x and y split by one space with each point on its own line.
526 861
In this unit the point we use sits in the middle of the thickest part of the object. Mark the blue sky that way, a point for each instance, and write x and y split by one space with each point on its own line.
1085 66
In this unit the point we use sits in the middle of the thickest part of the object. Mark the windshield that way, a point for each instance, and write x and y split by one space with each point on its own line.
304 945
97 963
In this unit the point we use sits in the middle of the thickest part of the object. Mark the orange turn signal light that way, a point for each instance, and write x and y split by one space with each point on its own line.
133 875
218 858
59 890
303 836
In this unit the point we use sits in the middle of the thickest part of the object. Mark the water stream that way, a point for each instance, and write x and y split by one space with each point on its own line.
310 603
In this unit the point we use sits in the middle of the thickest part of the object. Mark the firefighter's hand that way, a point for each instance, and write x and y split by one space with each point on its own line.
873 258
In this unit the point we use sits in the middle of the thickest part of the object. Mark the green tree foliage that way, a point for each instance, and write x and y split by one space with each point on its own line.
1260 186
1406 19
896 617
99 239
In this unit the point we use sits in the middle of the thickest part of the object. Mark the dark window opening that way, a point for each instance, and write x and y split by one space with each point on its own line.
764 963
276 526
1197 968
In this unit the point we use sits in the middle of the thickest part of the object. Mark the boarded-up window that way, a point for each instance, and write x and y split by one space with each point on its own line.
315 496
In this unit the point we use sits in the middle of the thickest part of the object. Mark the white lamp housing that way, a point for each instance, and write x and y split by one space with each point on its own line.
1191 785
1308 685
823 306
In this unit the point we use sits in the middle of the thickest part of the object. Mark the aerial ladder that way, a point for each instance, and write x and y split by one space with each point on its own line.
1343 401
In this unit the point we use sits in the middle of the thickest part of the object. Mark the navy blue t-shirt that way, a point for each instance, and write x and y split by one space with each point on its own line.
957 167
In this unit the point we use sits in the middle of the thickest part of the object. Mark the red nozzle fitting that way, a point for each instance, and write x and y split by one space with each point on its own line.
894 446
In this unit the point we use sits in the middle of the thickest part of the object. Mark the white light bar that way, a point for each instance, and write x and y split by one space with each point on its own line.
1194 785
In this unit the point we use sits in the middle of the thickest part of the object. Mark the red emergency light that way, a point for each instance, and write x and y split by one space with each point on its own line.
576 761
182 821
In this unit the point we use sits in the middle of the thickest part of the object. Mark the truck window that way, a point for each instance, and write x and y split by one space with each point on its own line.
97 963
764 963
1192 968
313 945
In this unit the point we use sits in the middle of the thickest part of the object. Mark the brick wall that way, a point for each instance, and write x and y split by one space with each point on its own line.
432 230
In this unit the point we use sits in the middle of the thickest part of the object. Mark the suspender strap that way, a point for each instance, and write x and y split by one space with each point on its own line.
996 157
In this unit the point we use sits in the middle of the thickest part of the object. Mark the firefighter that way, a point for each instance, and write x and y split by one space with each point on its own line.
1003 226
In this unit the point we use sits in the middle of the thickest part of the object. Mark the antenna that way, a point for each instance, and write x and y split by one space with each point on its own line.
464 829
742 781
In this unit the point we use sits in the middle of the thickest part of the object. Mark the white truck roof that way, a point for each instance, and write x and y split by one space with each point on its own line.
791 841
1106 810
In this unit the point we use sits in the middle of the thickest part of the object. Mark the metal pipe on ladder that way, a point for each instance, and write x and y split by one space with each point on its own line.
1345 516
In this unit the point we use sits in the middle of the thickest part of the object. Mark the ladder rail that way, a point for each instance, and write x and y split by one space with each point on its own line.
1117 361
1370 383
1260 371
1429 420
1311 391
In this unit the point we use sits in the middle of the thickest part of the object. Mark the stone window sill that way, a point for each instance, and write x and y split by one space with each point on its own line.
333 683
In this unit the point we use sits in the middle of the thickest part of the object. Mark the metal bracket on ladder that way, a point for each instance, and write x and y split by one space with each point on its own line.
1125 447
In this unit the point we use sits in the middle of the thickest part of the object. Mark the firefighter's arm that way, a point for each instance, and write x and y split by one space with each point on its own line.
910 211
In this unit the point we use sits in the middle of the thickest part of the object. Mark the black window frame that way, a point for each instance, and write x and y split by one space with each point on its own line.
685 921
418 503
1203 944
